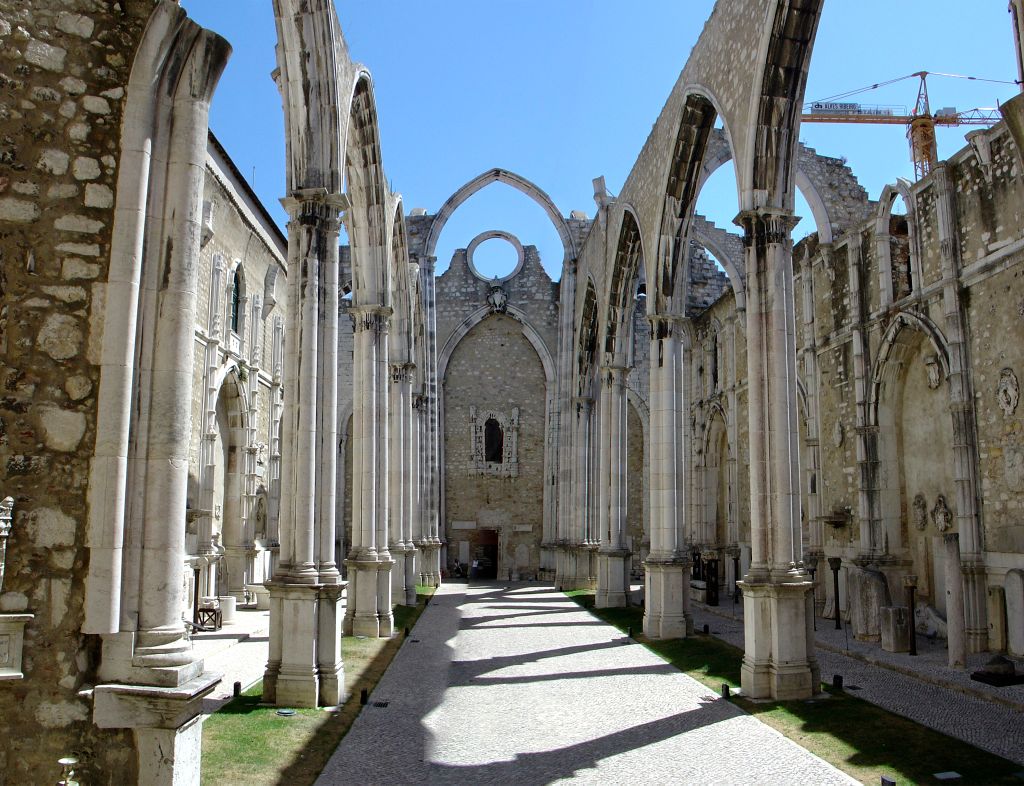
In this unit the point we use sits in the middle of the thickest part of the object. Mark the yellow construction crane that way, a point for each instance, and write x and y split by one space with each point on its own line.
920 123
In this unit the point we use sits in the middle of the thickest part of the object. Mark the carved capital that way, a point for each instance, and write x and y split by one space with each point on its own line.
765 227
375 318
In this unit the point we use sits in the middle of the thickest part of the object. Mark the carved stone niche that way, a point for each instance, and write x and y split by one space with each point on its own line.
12 626
494 440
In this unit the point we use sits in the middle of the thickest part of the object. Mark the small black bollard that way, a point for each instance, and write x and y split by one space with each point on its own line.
407 631
237 691
364 696
837 681
629 631
707 629
725 690
888 781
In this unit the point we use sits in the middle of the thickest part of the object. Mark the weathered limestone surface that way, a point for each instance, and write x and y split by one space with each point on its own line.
62 75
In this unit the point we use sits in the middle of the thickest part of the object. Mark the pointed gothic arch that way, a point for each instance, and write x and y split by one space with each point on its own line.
517 182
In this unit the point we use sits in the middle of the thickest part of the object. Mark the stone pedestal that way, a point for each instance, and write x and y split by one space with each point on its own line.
667 599
369 598
308 672
778 661
612 579
895 624
166 722
330 669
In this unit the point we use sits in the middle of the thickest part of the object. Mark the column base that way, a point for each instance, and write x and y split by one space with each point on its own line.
149 657
305 667
166 722
667 599
612 583
778 658
369 598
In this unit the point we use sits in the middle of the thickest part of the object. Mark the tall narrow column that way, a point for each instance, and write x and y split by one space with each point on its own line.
612 578
401 546
961 407
304 667
667 591
369 562
778 657
956 633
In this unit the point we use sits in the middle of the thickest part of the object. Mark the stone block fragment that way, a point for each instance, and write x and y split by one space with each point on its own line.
18 211
96 105
895 628
61 429
60 337
97 195
53 161
73 223
45 56
75 24
86 168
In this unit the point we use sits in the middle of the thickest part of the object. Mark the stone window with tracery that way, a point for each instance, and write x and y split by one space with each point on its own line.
494 439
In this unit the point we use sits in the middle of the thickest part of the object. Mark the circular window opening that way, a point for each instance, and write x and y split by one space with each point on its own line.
495 257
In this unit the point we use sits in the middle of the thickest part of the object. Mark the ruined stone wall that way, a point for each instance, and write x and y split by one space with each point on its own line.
64 65
494 367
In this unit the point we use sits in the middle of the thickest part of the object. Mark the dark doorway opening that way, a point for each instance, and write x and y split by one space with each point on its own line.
485 555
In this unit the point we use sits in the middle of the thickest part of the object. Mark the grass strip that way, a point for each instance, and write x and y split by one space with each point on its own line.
860 738
245 743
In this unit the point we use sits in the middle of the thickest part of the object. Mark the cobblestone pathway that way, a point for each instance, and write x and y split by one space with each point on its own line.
516 684
941 698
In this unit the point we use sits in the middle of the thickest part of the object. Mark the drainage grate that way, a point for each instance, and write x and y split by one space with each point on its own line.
853 687
414 641
380 704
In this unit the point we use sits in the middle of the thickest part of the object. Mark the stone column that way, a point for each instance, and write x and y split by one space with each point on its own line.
1017 14
778 660
961 406
150 679
369 562
430 545
956 633
402 549
575 557
304 667
613 557
667 591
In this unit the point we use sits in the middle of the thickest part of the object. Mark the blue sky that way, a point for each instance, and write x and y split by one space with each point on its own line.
562 92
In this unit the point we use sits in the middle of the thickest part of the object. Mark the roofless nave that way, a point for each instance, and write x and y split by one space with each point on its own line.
193 410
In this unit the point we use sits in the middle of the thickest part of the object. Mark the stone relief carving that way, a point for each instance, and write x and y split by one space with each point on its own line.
838 434
941 514
508 467
931 365
920 512
497 299
1008 392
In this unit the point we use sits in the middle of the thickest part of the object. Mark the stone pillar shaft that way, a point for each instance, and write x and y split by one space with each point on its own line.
778 659
161 633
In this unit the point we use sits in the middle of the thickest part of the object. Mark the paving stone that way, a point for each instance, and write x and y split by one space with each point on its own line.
514 683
